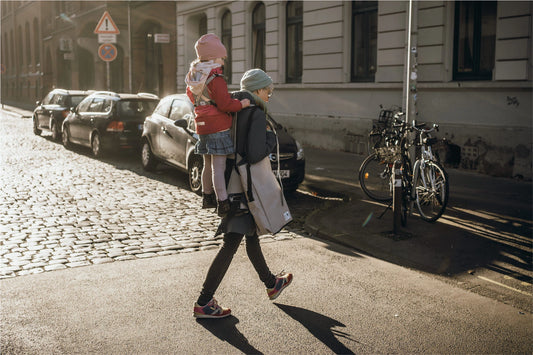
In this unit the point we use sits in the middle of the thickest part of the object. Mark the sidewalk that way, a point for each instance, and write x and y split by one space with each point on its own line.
485 230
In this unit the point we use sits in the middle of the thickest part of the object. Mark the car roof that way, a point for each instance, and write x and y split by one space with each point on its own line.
71 92
177 96
125 96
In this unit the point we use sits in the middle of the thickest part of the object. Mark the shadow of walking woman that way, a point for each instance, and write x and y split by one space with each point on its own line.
225 329
320 326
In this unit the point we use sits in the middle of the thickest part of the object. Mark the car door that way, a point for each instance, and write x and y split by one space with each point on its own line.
42 112
76 119
174 139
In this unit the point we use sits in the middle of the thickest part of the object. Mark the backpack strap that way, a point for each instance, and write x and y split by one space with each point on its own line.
204 98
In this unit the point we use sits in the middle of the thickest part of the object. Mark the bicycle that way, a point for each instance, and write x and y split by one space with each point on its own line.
430 180
376 169
431 186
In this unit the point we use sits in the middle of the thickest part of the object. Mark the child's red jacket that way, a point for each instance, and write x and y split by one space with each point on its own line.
215 118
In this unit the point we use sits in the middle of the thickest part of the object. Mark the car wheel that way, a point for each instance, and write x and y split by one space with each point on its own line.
148 159
65 138
96 145
56 133
195 174
36 129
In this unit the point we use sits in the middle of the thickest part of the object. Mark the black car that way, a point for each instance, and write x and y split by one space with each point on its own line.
53 109
106 120
165 142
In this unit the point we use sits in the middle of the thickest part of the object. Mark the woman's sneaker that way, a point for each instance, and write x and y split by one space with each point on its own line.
211 310
282 280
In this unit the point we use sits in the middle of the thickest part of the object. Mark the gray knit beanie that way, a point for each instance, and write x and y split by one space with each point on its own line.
255 79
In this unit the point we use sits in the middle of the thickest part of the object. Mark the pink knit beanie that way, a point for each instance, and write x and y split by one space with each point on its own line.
209 47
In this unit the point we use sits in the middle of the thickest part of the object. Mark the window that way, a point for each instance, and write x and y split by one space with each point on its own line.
226 40
474 40
36 42
84 105
179 109
202 26
97 105
258 36
48 99
28 44
163 108
364 40
294 18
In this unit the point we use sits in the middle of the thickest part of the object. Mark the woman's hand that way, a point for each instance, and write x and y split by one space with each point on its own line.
245 103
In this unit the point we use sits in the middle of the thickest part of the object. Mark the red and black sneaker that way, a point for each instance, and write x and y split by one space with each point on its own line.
282 280
211 310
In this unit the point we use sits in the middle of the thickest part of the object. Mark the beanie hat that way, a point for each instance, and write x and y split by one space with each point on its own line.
209 47
255 79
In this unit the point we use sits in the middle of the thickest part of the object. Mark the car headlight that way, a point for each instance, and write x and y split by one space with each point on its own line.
300 151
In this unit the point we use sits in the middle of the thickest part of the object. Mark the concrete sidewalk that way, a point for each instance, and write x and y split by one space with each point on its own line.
486 229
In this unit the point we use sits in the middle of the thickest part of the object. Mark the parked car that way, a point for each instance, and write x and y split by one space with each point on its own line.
163 141
106 120
53 109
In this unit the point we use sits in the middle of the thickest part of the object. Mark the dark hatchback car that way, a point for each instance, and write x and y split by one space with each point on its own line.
53 109
165 142
106 120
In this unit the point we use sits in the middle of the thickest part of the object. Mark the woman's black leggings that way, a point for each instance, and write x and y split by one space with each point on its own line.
221 263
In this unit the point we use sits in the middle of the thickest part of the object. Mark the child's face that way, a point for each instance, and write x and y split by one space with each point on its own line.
220 61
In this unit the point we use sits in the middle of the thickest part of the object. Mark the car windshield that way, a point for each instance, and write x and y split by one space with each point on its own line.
135 109
75 100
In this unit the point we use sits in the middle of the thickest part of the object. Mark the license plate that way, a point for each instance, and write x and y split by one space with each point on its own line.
283 173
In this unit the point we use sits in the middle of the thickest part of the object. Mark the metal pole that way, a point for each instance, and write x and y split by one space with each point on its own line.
108 77
397 196
408 60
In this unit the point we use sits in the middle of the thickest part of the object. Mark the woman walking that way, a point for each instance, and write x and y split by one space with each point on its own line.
255 140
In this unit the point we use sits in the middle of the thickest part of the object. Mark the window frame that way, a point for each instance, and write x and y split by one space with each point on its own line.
367 8
226 38
477 72
294 55
259 33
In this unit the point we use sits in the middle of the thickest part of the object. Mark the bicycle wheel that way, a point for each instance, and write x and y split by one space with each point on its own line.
375 178
431 190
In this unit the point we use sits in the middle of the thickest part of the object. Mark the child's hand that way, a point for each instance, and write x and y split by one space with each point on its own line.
245 103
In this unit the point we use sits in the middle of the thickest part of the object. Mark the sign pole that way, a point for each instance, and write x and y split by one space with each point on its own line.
108 77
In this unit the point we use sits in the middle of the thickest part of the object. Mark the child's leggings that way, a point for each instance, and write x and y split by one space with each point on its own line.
213 176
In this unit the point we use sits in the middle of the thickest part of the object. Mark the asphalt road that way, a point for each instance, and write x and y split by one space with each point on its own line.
134 248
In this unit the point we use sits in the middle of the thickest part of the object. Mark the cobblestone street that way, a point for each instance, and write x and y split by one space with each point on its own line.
62 208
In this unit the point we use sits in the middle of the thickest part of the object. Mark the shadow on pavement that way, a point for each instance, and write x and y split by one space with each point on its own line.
225 329
320 326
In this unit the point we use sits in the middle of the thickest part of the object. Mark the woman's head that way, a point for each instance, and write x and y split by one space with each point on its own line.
209 47
258 82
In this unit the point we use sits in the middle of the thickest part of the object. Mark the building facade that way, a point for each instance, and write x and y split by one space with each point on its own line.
333 63
52 44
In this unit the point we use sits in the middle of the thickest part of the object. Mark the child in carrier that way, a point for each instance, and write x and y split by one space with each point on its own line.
208 91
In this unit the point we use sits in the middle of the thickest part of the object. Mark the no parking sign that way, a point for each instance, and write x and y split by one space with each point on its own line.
107 52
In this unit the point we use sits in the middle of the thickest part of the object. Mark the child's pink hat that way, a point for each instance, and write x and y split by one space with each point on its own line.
209 47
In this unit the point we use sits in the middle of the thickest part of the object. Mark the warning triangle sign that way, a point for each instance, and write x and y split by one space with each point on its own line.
106 25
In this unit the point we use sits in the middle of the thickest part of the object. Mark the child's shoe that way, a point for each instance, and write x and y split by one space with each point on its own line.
282 280
223 208
209 200
211 310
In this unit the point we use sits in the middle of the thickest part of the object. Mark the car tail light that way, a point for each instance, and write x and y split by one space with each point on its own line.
115 126
65 113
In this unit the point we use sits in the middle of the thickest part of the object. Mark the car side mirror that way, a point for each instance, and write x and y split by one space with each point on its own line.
181 122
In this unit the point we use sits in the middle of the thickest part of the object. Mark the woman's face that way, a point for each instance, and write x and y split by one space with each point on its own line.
265 93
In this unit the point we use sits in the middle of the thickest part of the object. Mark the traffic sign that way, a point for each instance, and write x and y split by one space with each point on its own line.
106 25
107 52
107 38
